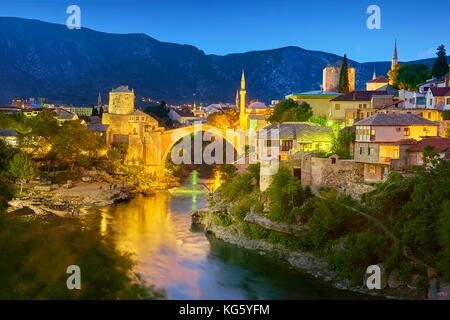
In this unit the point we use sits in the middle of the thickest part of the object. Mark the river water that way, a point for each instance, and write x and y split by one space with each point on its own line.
188 264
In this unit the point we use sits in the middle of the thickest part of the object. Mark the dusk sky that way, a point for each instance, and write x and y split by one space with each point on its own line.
222 27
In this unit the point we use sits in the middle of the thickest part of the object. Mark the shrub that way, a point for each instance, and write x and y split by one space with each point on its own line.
285 193
223 220
106 273
362 249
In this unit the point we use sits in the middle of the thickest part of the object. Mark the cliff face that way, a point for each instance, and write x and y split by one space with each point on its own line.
72 66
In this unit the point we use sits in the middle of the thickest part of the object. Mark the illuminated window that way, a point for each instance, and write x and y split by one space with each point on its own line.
286 145
372 132
406 131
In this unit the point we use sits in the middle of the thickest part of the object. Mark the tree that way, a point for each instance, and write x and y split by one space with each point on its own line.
344 85
75 141
285 194
290 110
446 115
343 142
22 168
227 119
410 75
95 111
393 74
440 65
6 154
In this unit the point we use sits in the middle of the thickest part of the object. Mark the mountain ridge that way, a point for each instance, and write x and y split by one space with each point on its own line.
40 58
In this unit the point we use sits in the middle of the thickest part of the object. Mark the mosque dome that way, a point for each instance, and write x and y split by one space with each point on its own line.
257 106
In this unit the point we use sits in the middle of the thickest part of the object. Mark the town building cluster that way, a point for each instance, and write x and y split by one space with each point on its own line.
391 127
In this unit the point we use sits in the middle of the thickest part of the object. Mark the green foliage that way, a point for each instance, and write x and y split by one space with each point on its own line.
34 259
342 143
253 170
285 193
226 119
410 75
361 250
6 192
17 122
440 65
290 111
238 186
393 75
443 235
73 140
22 168
414 208
223 219
320 120
6 154
446 115
254 231
227 171
344 85
242 207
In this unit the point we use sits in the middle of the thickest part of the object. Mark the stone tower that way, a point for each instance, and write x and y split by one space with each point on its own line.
331 74
242 98
121 100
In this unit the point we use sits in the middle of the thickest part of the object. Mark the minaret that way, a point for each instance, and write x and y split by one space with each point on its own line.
99 103
374 75
394 56
242 94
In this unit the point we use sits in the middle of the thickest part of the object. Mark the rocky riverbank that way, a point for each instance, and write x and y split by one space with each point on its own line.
68 201
305 261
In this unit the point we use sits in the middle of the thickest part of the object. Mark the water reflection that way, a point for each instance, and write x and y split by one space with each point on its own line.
189 265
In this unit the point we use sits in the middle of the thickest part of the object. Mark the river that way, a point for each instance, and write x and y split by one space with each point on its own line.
187 263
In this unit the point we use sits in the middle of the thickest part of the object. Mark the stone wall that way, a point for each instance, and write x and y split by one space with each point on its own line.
345 175
333 172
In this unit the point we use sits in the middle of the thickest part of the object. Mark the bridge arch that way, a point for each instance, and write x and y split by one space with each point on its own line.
171 137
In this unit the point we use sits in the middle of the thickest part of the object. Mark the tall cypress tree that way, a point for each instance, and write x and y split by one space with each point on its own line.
440 65
344 86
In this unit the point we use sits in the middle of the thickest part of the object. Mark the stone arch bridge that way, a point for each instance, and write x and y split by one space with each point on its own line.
153 149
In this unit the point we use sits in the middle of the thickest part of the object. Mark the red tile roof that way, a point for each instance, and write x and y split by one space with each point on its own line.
360 95
440 91
439 144
379 79
393 103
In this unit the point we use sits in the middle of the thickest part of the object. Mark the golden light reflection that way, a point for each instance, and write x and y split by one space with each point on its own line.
217 179
156 231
